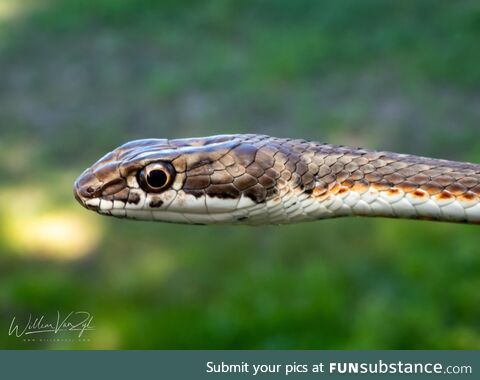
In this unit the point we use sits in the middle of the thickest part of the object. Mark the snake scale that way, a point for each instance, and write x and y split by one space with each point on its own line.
257 179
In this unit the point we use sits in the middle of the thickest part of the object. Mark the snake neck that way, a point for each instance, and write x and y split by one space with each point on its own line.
333 181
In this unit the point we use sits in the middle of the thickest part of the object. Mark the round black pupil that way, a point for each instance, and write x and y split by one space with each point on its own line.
157 178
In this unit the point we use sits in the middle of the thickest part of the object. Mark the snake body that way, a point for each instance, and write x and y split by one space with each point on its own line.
258 179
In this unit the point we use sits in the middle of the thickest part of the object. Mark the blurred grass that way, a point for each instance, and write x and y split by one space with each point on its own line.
81 77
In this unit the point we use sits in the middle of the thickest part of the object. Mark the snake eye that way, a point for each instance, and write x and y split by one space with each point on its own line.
156 177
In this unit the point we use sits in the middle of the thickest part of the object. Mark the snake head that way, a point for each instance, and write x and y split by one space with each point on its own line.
219 179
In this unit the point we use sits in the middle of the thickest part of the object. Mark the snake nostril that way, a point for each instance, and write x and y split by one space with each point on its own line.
88 192
87 186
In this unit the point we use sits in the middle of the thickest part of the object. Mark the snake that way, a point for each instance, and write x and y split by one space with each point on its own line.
257 179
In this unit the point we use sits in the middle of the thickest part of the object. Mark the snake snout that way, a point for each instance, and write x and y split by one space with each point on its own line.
87 186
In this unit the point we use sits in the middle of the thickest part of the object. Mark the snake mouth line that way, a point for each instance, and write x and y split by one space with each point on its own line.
91 207
87 203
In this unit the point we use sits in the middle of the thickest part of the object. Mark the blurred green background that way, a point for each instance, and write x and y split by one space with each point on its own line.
78 78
